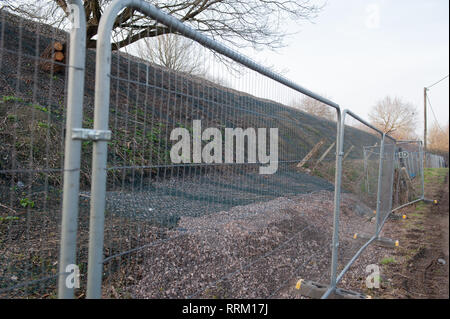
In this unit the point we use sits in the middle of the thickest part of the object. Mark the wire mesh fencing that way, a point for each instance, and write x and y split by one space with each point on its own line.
32 120
359 189
371 166
205 220
386 181
210 183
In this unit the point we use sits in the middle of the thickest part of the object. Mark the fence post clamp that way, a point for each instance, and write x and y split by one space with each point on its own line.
89 134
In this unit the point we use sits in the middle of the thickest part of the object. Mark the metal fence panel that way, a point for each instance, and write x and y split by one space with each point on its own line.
359 188
36 62
386 182
196 229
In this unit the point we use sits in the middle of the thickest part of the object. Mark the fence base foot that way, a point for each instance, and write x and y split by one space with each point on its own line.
395 217
314 290
381 241
430 201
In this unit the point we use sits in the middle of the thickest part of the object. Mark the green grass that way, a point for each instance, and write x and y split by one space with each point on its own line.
43 125
26 202
39 108
388 260
10 98
415 215
8 218
435 175
421 206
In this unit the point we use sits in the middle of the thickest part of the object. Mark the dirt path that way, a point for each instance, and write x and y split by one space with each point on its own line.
421 267
436 276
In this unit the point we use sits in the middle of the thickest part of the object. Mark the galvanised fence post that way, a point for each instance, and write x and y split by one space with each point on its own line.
72 156
422 168
380 187
337 200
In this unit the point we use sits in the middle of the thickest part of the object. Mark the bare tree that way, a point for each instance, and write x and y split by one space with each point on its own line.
40 10
438 138
395 117
314 107
174 52
255 23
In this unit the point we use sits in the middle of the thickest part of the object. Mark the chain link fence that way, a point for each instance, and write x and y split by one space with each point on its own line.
177 185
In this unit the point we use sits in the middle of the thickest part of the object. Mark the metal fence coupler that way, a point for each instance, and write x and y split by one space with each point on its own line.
90 134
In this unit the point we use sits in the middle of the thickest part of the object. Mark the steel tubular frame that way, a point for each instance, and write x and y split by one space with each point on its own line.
335 278
72 156
380 223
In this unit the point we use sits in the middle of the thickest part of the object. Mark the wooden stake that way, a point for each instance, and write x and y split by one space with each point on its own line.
348 152
311 153
325 154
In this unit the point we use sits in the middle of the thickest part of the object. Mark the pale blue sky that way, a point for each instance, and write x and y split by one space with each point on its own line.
355 60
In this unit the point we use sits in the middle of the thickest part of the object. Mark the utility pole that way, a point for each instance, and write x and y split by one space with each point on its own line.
425 89
424 125
425 119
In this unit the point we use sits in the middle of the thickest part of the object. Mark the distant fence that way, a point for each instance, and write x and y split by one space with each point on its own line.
435 161
225 220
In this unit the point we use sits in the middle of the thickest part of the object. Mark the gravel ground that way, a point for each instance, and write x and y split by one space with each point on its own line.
250 251
164 202
355 278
